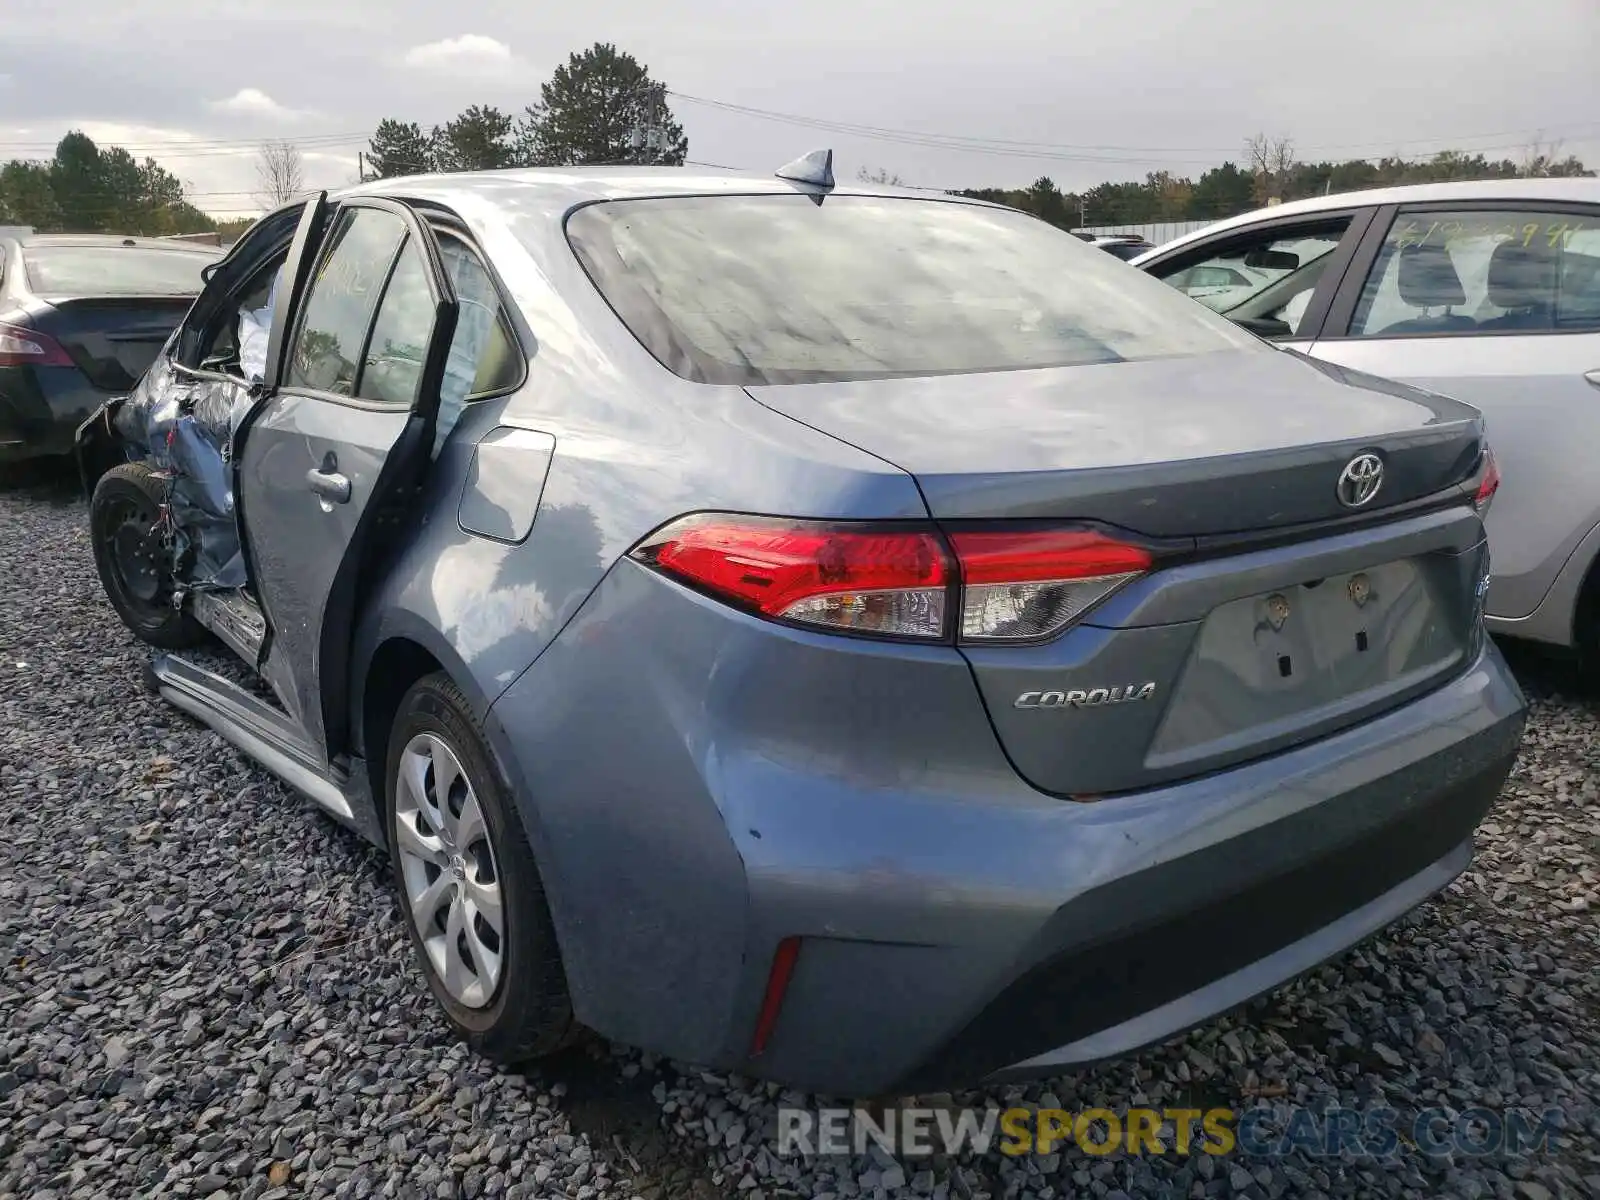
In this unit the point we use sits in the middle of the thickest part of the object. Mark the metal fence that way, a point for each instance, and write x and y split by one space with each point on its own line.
1155 233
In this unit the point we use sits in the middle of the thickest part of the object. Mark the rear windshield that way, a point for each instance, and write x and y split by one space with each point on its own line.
113 270
782 289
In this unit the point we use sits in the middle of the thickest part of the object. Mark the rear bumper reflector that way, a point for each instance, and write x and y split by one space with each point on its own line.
783 961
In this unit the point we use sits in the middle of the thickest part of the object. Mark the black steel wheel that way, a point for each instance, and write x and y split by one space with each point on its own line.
135 567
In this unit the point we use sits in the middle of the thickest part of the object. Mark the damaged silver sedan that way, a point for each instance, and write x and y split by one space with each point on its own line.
868 640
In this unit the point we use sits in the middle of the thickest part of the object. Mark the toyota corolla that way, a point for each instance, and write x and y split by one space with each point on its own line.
849 636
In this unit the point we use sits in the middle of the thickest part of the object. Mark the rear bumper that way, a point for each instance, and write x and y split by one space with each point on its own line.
1158 951
41 409
955 923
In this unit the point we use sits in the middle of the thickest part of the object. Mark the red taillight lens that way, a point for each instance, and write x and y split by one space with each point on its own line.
1488 482
896 580
860 578
21 347
1024 585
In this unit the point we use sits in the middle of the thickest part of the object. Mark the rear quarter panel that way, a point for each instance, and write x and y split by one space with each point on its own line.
635 446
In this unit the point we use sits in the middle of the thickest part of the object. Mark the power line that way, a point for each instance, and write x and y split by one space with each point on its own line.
1085 152
311 140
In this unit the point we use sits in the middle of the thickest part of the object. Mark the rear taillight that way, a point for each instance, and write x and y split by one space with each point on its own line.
1024 585
21 347
891 581
904 581
1488 482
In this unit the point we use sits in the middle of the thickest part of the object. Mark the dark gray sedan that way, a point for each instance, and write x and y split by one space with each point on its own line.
864 639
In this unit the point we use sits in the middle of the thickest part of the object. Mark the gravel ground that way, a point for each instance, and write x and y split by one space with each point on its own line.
205 989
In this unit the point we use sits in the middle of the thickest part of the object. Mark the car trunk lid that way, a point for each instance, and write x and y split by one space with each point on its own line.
1272 612
1194 446
112 340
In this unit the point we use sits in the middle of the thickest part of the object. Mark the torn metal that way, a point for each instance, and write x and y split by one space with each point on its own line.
183 425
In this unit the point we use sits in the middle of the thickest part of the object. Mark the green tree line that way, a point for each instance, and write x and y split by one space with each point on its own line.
87 189
1275 175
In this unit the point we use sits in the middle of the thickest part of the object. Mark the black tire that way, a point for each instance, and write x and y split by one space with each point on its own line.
1586 631
134 568
529 1013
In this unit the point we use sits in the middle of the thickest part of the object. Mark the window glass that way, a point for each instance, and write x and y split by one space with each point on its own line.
1484 271
781 289
483 357
399 344
114 270
1266 279
340 304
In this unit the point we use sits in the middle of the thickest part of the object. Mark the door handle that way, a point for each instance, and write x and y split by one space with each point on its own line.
1593 376
329 484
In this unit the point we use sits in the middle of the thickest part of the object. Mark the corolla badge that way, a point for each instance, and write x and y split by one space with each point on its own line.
1086 697
1360 480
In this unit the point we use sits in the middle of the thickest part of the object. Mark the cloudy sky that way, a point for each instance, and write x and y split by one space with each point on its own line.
953 94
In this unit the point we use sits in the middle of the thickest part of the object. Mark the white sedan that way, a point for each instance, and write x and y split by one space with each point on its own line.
1488 292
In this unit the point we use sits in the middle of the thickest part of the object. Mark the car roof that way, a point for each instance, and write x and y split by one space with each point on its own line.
563 188
1584 190
112 239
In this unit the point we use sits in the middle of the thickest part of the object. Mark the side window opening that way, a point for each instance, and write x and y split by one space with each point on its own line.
483 358
1265 280
236 343
356 288
1487 271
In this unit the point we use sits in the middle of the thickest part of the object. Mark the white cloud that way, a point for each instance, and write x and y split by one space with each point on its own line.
253 102
469 52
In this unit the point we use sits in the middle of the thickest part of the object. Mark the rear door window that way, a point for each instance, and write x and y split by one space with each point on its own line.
783 289
392 368
340 304
1467 272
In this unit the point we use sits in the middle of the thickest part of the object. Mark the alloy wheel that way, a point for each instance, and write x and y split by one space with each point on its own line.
449 869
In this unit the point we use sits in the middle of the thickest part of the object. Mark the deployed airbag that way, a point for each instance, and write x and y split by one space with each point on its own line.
255 328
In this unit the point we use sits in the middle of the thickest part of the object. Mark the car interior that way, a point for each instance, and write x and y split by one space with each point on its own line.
1427 280
1261 281
1522 286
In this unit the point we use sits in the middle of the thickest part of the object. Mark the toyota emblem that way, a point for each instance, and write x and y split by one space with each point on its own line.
1360 480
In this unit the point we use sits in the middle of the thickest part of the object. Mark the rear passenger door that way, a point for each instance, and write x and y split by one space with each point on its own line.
1497 304
341 438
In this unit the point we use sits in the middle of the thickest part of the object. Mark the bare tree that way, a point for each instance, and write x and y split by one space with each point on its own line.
1271 160
879 176
280 172
1539 161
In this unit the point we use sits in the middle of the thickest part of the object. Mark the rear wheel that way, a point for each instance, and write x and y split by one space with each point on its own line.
472 897
132 558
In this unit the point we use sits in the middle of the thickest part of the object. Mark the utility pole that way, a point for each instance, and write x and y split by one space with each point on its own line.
361 166
650 138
